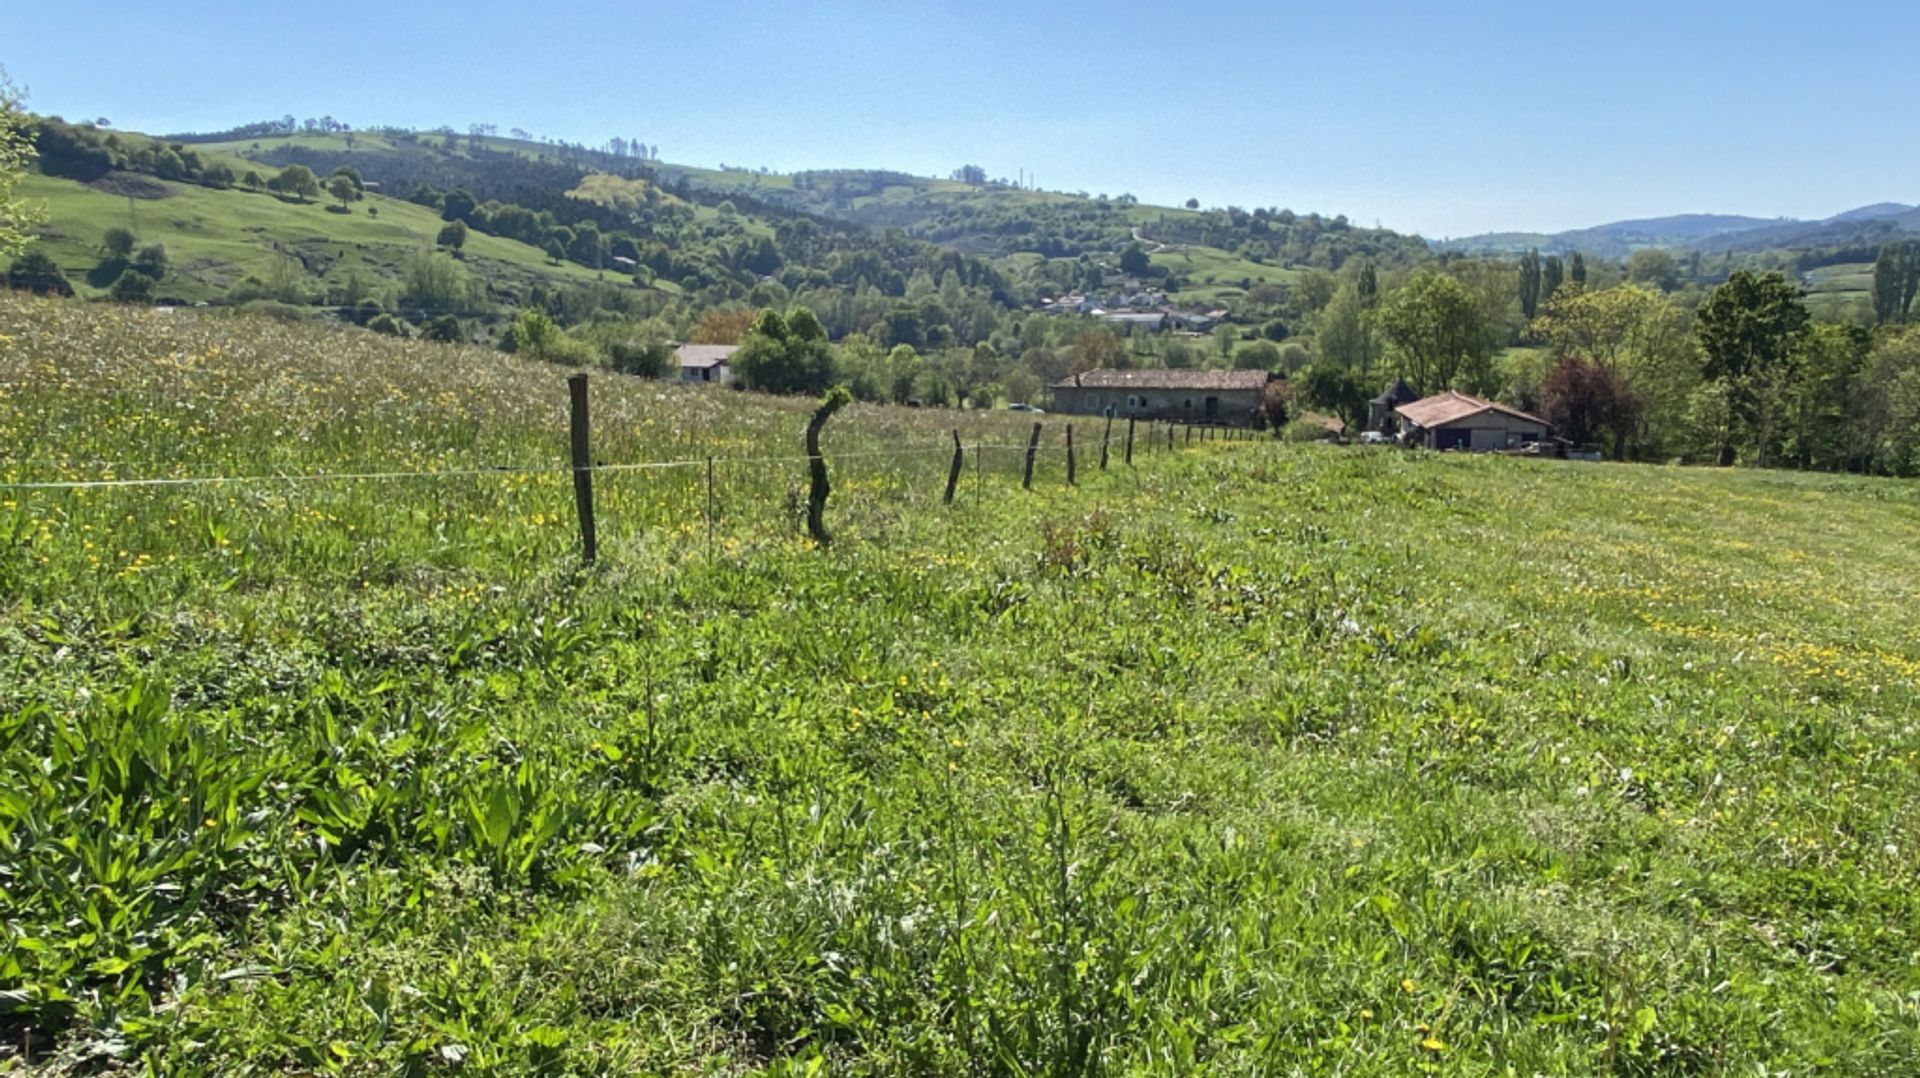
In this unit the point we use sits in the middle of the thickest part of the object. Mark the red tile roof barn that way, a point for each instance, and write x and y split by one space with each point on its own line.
1452 406
1165 379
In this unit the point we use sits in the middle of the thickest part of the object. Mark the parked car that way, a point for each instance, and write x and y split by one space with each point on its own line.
1374 437
1018 406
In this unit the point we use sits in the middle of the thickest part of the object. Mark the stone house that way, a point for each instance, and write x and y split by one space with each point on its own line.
1191 396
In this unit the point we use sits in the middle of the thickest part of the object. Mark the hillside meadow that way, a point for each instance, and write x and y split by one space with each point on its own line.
215 238
1250 758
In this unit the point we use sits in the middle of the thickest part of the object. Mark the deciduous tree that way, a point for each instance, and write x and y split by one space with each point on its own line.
1437 334
117 244
296 180
1748 329
17 217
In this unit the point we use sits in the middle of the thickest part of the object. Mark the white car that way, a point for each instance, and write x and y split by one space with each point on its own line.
1374 437
1017 406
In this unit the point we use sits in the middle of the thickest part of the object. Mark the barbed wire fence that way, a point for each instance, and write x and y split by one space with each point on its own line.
1102 450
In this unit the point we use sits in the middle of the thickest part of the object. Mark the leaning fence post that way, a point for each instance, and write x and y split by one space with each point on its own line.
582 464
953 473
1129 441
1033 446
1189 434
1070 481
1169 435
818 492
1106 439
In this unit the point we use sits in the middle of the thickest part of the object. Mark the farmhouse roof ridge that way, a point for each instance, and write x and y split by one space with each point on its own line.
1164 378
1453 406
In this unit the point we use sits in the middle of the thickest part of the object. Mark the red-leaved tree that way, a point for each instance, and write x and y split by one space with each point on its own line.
1584 399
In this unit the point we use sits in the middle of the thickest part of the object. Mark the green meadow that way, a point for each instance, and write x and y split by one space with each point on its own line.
216 238
1247 758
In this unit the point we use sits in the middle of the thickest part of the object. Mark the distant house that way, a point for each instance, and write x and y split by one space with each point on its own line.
1193 396
1192 322
1453 420
1380 409
624 264
1151 321
706 362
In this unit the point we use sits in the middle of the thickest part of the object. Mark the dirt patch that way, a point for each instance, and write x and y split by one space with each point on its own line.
132 185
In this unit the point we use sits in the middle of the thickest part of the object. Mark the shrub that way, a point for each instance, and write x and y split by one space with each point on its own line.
132 286
152 260
648 359
1305 430
446 329
35 272
388 325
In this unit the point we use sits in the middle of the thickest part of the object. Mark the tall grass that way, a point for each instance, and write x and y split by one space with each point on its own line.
1250 759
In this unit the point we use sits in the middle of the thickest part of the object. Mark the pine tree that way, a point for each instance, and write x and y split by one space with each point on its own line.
1551 277
1579 273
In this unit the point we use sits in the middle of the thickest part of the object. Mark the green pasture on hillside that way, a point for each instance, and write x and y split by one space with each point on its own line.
1250 758
215 238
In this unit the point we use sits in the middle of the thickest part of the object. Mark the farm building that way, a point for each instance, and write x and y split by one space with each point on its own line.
1453 420
1192 396
705 362
1380 409
1150 321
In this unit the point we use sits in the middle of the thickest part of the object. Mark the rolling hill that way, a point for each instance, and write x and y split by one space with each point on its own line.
1705 232
698 232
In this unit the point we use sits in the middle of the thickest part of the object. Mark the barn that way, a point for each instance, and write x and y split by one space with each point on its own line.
1188 396
1454 420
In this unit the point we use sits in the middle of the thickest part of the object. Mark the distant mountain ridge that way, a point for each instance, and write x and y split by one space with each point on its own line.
1712 232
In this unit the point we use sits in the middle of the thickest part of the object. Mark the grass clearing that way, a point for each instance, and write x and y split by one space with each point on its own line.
1254 758
215 238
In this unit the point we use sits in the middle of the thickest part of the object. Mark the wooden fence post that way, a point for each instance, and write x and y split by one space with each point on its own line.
1189 437
709 505
819 490
582 465
953 473
1129 441
1105 439
976 473
1070 481
1169 435
1033 446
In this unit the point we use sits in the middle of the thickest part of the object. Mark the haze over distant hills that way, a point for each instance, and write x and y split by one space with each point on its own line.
1708 232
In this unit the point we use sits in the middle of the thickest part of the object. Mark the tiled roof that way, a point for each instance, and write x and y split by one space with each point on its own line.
704 355
1452 406
1165 379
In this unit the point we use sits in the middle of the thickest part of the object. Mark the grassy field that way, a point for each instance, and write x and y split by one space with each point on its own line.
215 238
1215 275
1248 759
1842 292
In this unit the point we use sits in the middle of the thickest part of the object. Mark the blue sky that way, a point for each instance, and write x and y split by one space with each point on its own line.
1427 117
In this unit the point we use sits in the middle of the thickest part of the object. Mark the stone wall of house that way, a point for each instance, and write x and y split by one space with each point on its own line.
1234 406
